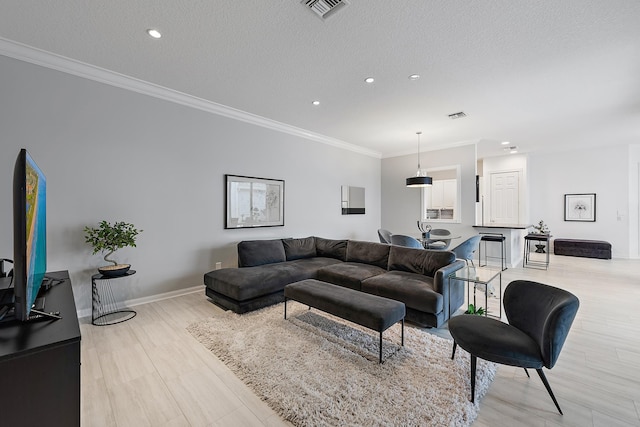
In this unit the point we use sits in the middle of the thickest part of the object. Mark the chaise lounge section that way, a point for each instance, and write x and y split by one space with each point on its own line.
416 277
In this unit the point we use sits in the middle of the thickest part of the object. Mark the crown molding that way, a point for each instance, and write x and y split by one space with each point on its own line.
443 146
66 65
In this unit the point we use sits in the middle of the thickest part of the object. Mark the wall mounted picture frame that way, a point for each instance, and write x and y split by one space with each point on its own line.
352 200
580 207
253 202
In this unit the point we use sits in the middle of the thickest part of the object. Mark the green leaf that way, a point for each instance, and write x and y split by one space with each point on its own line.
111 237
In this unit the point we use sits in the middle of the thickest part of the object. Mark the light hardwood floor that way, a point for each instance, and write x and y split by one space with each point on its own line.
150 372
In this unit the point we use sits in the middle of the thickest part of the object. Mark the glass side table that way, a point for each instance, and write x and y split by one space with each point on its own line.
104 308
479 277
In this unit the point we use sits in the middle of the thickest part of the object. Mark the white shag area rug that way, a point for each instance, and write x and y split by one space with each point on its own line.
315 369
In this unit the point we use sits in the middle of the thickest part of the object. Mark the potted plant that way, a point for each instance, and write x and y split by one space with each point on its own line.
541 228
472 309
108 238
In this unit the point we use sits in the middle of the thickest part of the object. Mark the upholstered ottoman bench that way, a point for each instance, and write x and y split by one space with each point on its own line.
582 248
370 311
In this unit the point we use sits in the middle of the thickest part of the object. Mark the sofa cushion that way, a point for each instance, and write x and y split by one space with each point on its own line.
331 248
299 248
348 274
250 282
252 253
415 290
421 261
368 253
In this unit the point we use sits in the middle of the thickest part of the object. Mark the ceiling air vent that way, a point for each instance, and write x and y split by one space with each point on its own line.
325 8
459 115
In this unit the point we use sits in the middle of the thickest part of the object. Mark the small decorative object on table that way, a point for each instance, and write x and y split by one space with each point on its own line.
425 229
109 238
541 228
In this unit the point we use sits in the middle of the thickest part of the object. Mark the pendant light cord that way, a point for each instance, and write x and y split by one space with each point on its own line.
418 133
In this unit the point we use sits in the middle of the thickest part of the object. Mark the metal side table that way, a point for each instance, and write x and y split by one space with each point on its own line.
104 308
541 242
479 277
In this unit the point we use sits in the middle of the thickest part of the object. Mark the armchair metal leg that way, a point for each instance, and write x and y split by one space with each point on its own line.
473 377
455 344
546 384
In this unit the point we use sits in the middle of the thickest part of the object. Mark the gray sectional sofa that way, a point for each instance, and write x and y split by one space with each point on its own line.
416 277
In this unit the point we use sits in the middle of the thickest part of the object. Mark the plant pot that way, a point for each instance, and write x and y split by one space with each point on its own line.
114 270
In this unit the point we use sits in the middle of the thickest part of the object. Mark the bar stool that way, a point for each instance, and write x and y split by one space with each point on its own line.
538 240
492 237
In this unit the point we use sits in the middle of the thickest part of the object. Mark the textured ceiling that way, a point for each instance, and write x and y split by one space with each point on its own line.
541 74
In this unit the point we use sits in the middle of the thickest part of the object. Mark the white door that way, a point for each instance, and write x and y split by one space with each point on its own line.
505 198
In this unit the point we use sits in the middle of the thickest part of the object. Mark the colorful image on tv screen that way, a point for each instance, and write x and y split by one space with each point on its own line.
36 192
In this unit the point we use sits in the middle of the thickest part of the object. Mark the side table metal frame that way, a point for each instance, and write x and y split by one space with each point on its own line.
537 239
468 276
104 305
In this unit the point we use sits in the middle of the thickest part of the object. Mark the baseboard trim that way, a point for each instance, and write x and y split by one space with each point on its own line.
152 298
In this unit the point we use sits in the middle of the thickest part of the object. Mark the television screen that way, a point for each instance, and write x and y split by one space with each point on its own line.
30 232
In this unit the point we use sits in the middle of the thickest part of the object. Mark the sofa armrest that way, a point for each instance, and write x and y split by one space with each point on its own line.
452 293
440 278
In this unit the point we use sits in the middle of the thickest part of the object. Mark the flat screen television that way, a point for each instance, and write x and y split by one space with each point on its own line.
29 233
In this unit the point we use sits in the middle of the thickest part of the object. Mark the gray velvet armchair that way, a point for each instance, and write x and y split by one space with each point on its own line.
539 316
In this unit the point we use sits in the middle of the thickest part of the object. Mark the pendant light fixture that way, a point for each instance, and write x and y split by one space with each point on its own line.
421 179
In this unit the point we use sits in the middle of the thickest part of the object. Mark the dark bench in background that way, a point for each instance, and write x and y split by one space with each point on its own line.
582 248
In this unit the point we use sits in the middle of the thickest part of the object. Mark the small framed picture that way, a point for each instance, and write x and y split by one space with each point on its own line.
254 202
580 207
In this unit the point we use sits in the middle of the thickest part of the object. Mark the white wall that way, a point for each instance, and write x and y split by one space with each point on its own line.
604 171
401 205
113 154
634 201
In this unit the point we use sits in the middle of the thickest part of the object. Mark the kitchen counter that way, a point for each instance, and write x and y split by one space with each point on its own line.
514 241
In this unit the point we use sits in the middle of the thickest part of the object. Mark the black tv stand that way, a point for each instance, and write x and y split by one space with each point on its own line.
37 312
40 365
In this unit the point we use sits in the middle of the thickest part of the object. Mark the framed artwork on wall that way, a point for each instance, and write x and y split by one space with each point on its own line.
253 202
580 207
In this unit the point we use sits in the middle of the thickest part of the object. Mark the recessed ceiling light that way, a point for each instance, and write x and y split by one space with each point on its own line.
369 80
414 76
505 143
316 102
154 33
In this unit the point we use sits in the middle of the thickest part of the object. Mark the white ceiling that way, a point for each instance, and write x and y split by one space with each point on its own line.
542 74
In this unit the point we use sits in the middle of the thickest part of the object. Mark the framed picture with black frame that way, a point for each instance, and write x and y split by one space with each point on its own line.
253 202
580 207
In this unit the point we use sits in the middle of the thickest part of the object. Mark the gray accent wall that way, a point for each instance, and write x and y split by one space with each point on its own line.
117 155
401 205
